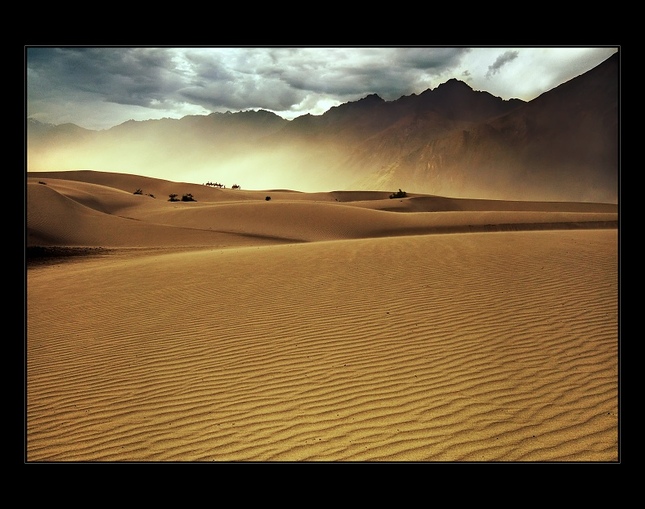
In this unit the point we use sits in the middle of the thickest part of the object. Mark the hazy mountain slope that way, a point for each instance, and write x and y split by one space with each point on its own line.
562 145
192 148
451 141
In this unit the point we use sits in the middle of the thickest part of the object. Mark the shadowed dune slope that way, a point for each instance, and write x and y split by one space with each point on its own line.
90 210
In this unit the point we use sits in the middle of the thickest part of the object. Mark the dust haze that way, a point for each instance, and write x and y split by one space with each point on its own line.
298 166
450 141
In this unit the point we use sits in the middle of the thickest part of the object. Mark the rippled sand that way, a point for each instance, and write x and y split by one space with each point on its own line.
321 329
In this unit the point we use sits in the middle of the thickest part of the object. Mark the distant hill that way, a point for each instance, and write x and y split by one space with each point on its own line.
451 141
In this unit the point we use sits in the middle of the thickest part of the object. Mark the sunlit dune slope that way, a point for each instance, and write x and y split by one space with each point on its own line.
102 210
340 326
467 347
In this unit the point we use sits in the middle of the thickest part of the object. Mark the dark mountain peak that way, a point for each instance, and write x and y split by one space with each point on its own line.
371 99
454 84
255 114
449 88
456 100
250 118
352 107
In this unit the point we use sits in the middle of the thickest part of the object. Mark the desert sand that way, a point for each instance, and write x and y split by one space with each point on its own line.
340 326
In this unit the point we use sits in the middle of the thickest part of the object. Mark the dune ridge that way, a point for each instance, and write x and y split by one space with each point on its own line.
363 341
79 213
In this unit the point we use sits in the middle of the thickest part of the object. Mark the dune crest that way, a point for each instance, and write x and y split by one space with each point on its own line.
87 209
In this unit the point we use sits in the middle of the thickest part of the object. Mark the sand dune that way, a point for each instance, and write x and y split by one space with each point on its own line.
318 327
82 213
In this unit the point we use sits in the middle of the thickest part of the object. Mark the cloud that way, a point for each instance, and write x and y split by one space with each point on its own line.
430 59
351 73
223 81
219 79
98 87
137 76
111 83
501 61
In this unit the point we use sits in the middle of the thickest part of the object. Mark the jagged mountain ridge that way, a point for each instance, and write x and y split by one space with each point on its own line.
450 140
563 145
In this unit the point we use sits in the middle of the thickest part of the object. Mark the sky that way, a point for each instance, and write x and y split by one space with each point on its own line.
100 87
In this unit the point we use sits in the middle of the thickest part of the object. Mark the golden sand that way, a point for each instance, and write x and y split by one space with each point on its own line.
317 327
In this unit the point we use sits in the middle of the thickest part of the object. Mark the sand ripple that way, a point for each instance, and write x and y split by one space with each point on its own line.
464 347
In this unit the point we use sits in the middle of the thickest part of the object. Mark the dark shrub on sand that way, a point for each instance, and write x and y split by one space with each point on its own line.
400 194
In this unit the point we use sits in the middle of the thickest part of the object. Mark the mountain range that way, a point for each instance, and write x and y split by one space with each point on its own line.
450 141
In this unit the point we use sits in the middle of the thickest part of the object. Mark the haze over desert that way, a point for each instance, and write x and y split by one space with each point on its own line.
277 325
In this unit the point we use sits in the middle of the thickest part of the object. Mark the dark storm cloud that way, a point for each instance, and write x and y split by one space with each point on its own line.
99 87
233 80
350 72
429 59
501 61
281 78
132 76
